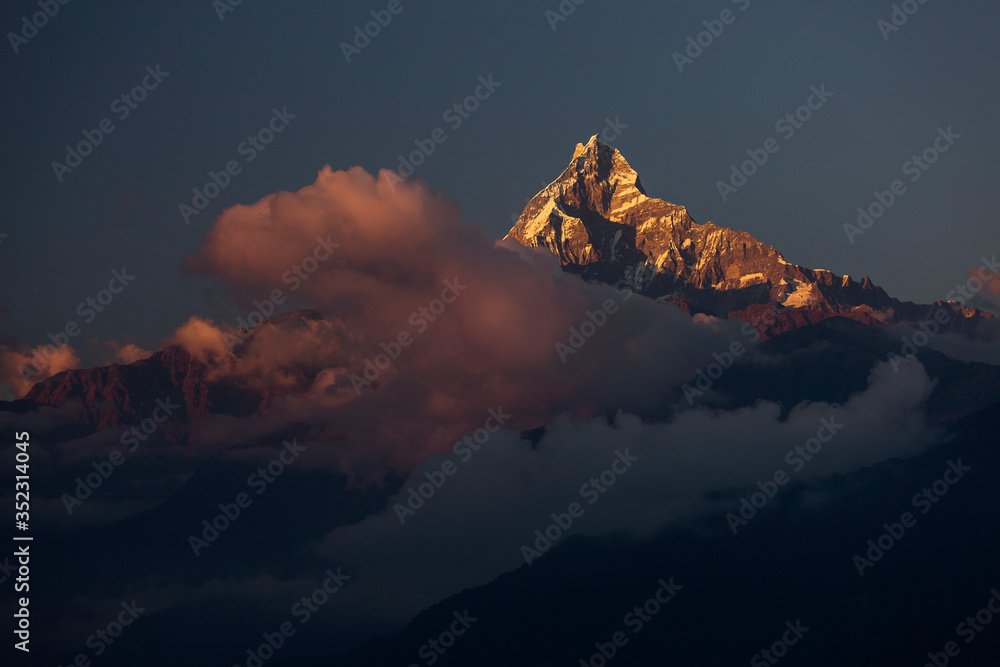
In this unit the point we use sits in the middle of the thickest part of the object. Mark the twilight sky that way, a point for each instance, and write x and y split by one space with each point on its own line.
222 81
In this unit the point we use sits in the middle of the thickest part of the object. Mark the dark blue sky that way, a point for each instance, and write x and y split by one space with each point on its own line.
609 59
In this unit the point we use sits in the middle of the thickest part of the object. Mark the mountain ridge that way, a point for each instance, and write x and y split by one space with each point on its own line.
598 220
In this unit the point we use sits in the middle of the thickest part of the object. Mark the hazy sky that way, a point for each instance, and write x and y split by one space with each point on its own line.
224 78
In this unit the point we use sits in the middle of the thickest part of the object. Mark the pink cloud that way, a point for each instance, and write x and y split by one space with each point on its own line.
378 262
128 353
21 368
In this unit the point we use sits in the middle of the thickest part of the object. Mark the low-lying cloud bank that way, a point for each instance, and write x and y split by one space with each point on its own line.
696 467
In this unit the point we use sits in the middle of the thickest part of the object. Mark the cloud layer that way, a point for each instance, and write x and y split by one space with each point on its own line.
472 324
696 467
22 368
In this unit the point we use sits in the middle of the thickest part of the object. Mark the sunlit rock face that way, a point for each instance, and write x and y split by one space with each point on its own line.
599 221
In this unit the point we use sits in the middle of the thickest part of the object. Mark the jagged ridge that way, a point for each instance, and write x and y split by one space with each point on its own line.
599 221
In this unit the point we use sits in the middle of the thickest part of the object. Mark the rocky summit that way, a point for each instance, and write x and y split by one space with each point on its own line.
599 221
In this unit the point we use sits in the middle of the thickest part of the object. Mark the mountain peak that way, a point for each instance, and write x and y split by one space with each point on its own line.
595 186
588 215
598 220
596 164
595 146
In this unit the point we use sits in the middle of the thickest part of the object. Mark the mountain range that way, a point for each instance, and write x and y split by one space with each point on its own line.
599 221
821 336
